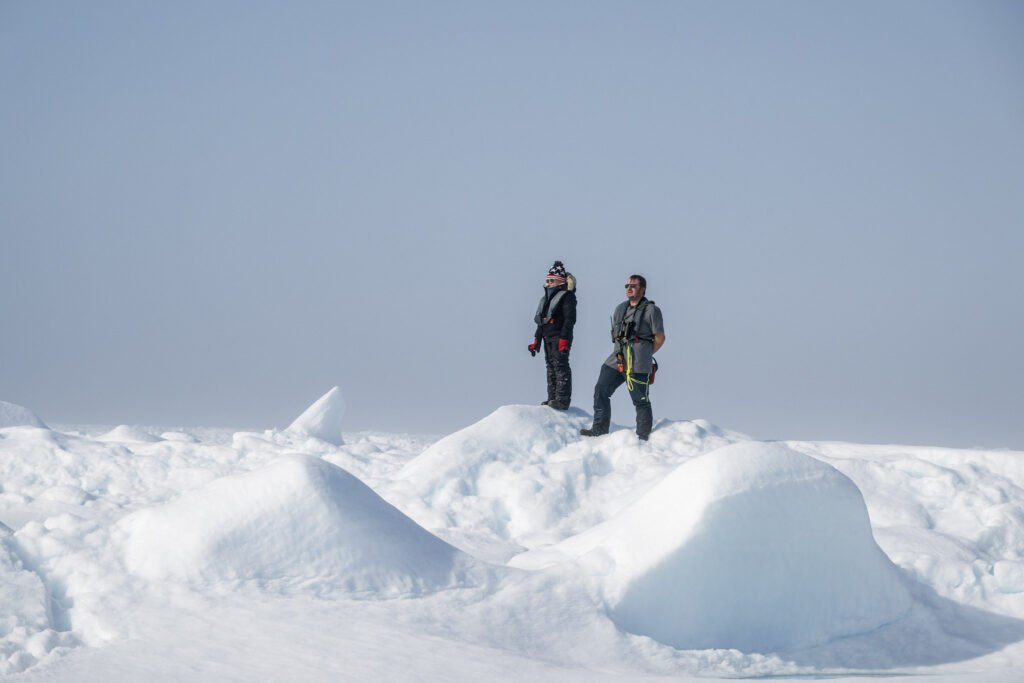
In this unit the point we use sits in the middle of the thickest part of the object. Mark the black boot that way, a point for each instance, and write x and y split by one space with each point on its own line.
558 405
596 430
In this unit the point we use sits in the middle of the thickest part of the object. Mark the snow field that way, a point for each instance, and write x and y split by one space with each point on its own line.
511 546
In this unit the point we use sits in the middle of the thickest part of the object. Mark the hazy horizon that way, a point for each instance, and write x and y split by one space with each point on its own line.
213 213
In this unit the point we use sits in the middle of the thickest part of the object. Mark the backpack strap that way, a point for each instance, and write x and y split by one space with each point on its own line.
636 316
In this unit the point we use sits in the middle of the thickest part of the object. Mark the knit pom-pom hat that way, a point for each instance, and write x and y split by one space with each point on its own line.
557 272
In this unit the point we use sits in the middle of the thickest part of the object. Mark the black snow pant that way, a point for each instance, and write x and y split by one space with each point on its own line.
559 374
608 381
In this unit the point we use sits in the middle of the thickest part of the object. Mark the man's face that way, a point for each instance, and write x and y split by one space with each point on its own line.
551 282
634 292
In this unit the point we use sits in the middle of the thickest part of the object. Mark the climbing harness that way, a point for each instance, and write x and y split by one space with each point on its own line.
632 381
624 332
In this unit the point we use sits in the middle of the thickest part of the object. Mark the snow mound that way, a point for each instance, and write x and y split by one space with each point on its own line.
754 547
13 415
128 434
523 477
322 420
508 434
297 519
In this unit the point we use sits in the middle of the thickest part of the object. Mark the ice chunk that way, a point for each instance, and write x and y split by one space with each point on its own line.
322 419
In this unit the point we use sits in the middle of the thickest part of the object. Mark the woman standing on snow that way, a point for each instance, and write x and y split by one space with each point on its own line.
556 316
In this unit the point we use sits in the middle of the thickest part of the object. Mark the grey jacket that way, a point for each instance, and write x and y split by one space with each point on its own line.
640 345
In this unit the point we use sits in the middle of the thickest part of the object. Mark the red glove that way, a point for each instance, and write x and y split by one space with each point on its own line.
563 344
533 347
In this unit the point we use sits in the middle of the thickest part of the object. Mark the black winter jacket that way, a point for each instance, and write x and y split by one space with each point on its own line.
559 321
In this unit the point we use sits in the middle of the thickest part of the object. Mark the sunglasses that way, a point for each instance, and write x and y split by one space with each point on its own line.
632 285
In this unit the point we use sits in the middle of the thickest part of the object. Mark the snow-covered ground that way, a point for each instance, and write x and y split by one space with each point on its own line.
513 549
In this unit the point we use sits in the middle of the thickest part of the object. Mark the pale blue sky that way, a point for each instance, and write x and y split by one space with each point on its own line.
212 212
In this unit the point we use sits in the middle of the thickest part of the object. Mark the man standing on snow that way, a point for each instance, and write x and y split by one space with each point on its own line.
638 333
556 316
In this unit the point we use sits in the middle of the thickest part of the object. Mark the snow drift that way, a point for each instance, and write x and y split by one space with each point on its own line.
300 518
753 546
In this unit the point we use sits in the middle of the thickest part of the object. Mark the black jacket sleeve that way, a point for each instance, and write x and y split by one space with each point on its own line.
568 315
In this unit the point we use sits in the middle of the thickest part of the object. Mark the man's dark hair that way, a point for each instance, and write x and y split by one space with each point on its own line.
640 278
